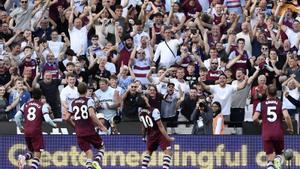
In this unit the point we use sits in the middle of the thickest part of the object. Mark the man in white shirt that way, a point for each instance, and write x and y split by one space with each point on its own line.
246 35
78 34
166 51
223 92
56 45
138 32
68 94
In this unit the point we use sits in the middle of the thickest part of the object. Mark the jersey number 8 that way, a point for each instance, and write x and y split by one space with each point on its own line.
31 113
84 112
147 121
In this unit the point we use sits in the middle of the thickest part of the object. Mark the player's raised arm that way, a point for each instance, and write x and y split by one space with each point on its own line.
288 121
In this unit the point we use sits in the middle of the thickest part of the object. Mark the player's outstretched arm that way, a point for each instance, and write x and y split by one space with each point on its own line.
49 120
163 130
288 121
96 120
47 117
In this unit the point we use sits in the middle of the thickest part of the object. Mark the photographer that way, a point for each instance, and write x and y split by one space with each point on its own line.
203 118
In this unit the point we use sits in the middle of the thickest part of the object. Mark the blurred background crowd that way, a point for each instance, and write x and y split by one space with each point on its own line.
205 64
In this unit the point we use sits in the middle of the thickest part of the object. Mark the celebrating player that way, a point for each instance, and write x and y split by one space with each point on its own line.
156 134
272 127
33 112
83 111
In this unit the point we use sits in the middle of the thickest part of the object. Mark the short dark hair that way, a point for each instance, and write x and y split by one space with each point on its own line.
241 69
82 88
240 39
36 93
70 64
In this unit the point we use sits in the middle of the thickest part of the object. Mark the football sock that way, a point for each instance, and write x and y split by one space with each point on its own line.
35 163
270 165
167 161
99 156
146 161
88 164
28 156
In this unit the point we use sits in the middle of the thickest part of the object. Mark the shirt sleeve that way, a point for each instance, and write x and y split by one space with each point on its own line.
63 96
232 55
258 108
156 114
91 103
45 109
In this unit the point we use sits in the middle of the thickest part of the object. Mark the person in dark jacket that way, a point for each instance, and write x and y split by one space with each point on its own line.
203 118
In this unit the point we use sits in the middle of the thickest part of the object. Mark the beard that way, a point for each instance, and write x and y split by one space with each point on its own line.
128 45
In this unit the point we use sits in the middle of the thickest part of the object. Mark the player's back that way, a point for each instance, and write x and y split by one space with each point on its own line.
83 123
271 112
149 117
33 118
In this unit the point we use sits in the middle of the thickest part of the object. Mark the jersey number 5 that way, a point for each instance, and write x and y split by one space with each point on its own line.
147 121
84 112
271 114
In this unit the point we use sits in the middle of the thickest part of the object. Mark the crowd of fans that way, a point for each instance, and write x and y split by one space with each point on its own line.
197 61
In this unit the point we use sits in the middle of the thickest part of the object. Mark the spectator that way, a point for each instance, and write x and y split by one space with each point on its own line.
78 32
68 94
22 15
130 105
140 65
123 79
3 105
17 97
259 92
166 51
109 100
222 93
155 98
170 104
202 118
239 98
218 119
49 87
189 103
291 87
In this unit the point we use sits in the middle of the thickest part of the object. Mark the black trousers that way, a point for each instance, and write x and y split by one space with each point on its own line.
237 116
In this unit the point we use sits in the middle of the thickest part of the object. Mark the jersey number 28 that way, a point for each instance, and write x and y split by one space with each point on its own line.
84 112
271 114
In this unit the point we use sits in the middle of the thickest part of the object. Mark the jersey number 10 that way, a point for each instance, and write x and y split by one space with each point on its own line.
147 121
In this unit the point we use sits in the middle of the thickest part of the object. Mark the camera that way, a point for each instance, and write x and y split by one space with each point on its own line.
202 104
